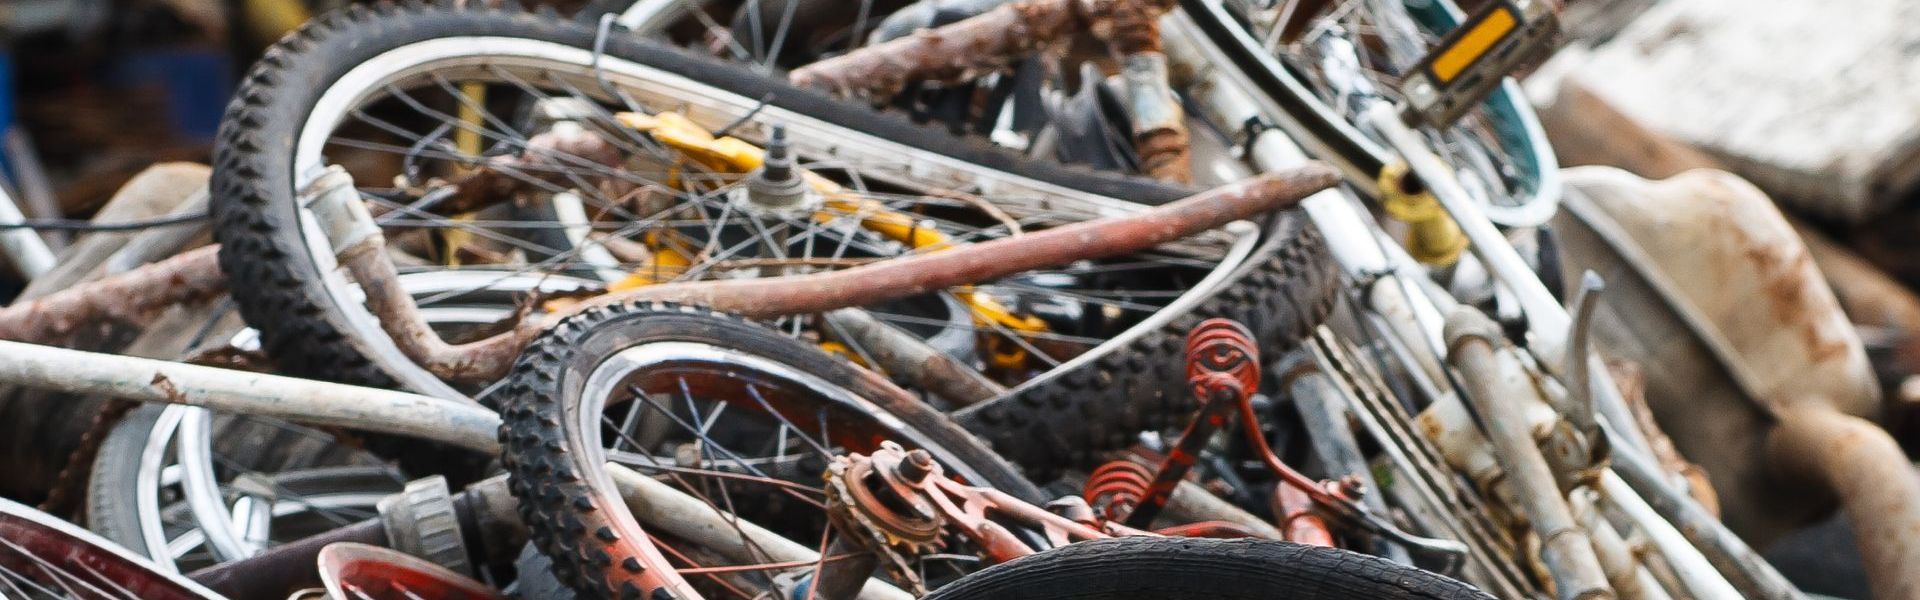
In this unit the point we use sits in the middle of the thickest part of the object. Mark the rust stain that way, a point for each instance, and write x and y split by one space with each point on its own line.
168 389
1788 279
1164 154
866 284
1790 282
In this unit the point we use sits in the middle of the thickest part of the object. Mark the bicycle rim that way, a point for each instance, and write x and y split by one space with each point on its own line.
44 557
889 174
1351 54
724 411
187 490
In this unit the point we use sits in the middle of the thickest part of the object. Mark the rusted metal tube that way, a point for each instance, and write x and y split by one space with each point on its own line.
401 319
883 281
926 14
1159 124
360 246
984 43
1298 519
162 189
986 261
1495 384
955 52
996 38
1877 487
134 297
902 355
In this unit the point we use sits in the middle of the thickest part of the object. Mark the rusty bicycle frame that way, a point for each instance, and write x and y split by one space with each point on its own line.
996 37
467 425
900 493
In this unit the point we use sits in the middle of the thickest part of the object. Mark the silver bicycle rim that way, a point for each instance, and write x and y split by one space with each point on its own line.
879 159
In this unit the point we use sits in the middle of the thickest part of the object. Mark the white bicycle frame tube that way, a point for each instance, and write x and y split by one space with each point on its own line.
28 252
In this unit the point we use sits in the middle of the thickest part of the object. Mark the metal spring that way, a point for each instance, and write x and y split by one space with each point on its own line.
1116 487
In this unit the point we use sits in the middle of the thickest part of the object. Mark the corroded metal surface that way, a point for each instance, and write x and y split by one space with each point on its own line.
1497 385
489 359
1876 486
997 38
1720 304
985 43
135 297
956 52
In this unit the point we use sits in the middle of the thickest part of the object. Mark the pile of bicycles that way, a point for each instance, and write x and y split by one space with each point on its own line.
872 299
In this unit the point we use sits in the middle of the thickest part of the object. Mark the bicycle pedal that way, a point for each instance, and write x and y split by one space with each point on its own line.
1473 59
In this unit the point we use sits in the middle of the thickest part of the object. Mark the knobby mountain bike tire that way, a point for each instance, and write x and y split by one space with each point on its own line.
1076 414
1143 568
255 204
554 463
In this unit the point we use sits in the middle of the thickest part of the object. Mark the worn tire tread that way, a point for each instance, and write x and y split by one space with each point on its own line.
1073 418
568 517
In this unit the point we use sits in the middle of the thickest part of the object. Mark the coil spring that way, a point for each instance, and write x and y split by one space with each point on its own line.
1223 346
1116 487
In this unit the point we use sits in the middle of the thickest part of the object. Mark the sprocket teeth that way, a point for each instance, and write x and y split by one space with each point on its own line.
845 509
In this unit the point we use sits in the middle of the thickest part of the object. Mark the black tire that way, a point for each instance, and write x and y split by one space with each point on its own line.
569 517
278 287
1144 568
534 578
1071 417
111 506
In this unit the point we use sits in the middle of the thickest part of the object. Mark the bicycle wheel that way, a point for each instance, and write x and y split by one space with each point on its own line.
1054 104
1196 568
724 410
45 557
187 508
1328 62
173 483
414 101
